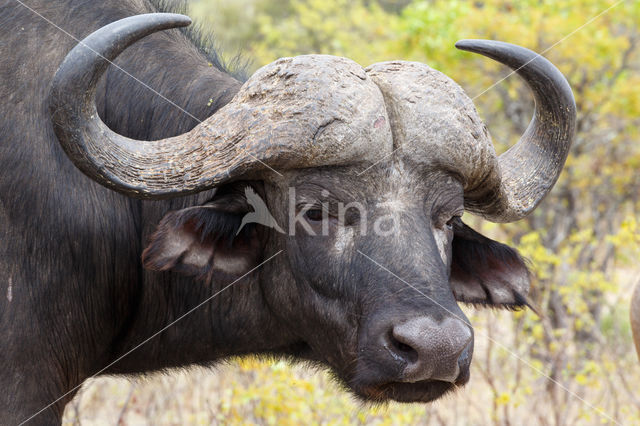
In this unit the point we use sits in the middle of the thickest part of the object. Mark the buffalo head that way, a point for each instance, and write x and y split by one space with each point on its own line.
367 172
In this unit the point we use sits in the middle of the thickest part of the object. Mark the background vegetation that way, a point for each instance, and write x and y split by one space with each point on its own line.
583 242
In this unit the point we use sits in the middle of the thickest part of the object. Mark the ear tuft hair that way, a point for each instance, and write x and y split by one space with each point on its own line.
486 272
212 224
201 240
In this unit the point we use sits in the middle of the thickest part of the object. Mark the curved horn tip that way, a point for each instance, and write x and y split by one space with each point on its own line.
483 46
165 20
177 19
464 44
470 45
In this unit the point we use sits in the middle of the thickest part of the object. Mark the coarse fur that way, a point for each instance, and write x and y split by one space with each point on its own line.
205 40
75 297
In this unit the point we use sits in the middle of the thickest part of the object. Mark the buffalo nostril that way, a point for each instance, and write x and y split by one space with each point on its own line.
403 350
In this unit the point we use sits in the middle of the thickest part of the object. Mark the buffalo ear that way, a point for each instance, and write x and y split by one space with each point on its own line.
487 272
201 241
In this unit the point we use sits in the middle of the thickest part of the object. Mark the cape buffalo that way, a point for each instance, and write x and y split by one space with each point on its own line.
123 190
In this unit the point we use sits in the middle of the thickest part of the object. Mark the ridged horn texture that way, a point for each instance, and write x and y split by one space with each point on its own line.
434 123
307 111
529 169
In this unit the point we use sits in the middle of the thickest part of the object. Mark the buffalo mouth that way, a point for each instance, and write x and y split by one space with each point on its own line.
371 390
421 391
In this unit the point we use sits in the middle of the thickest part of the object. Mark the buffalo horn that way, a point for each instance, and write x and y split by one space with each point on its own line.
529 169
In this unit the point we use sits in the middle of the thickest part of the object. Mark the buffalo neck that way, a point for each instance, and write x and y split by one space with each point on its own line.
183 322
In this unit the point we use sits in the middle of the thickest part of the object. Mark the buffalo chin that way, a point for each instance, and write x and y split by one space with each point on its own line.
408 392
422 391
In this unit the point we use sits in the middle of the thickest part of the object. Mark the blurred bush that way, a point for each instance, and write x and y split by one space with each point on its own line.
583 241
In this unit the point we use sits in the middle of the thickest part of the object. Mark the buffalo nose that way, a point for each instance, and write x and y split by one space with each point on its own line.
432 350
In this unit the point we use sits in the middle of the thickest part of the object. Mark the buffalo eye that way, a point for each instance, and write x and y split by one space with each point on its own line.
314 215
450 222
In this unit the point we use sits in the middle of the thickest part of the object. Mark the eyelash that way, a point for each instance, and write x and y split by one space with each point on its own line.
449 223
